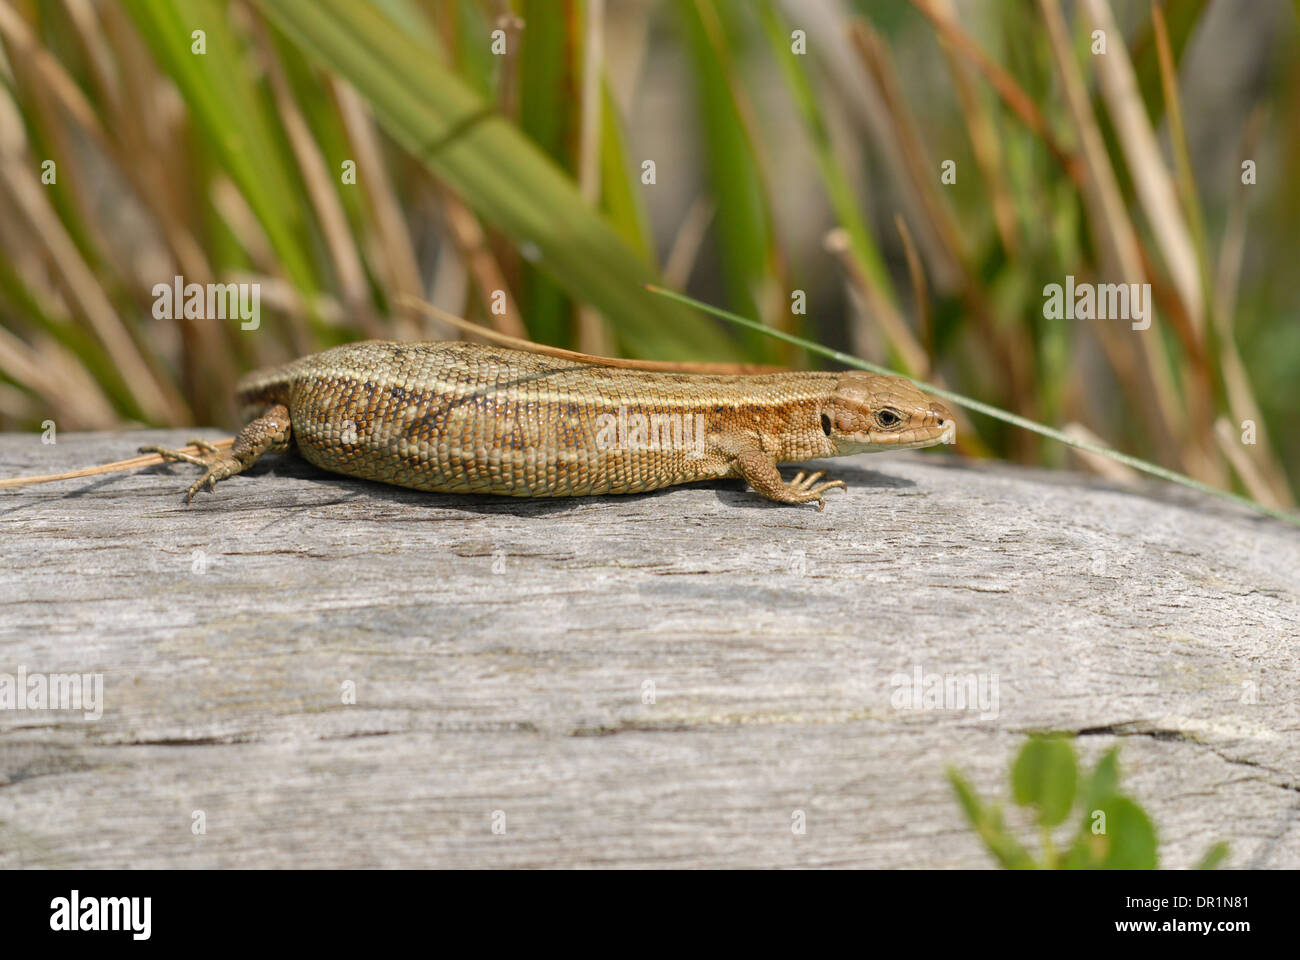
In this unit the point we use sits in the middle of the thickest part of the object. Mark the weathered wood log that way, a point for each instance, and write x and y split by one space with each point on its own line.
670 679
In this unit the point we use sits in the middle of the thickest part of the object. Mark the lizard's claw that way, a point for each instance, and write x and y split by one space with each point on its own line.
217 463
209 479
806 489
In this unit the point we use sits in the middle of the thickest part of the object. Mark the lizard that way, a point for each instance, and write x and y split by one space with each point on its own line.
460 417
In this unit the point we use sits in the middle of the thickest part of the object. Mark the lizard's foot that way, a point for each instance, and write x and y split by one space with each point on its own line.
806 489
218 464
759 468
269 433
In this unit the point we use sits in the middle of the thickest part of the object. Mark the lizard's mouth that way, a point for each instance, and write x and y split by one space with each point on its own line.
926 437
907 440
911 439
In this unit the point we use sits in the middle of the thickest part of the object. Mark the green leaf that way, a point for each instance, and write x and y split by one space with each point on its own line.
1129 842
967 797
476 63
1214 856
1044 776
1104 781
988 824
621 193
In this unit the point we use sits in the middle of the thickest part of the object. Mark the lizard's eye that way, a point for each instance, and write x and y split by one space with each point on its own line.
888 418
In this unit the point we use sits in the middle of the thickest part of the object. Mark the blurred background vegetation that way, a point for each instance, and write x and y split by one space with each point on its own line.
797 145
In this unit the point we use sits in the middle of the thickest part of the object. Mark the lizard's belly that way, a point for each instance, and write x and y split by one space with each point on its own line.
512 446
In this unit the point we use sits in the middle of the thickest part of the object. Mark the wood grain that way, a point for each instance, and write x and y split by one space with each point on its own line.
502 652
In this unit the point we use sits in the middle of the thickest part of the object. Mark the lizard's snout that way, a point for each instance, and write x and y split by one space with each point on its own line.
941 415
942 424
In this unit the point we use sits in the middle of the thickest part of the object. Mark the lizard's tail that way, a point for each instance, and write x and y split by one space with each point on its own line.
148 460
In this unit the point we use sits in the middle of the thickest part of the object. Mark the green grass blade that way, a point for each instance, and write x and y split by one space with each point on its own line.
851 361
494 168
233 118
621 196
547 116
839 189
743 221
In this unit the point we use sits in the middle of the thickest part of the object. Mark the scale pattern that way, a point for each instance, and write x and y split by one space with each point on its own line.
459 417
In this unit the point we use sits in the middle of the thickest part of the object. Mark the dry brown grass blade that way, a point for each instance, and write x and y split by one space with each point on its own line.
1136 139
1252 478
318 181
593 333
67 393
881 311
1158 397
687 242
983 135
518 343
395 258
920 296
148 129
1236 379
918 178
240 219
156 399
139 164
1101 191
23 42
1011 93
1007 352
1121 253
476 253
1186 179
154 394
119 466
81 13
508 82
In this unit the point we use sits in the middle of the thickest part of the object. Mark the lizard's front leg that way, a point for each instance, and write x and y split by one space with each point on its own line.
269 433
759 470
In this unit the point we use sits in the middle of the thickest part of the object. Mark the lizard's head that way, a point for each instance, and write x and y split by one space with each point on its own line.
868 412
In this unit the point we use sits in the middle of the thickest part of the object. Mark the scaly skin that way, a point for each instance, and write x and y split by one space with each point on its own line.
457 417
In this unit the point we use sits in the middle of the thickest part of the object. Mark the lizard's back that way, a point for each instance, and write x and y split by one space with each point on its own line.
469 418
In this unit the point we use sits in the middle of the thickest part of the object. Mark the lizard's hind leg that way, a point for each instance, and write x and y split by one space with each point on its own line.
269 433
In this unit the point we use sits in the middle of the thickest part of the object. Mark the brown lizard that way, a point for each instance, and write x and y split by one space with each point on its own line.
457 417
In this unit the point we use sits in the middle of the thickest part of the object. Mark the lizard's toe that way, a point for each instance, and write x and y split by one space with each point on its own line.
817 493
220 468
168 454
